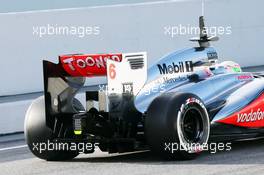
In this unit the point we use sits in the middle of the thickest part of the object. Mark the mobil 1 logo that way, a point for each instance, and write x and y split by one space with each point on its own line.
180 67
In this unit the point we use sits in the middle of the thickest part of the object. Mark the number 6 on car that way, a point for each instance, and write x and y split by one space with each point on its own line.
131 70
112 72
186 98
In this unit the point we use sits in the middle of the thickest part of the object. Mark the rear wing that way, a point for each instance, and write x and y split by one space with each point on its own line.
62 81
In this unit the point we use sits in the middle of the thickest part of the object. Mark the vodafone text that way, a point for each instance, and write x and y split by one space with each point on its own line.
250 117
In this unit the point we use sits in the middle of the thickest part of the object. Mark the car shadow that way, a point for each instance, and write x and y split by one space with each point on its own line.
242 152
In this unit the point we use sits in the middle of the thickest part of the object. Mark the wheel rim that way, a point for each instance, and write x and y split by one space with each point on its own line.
192 125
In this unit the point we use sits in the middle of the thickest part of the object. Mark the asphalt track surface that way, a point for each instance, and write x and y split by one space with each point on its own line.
246 157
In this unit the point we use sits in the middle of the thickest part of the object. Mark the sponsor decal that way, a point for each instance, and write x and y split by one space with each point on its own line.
251 116
194 100
127 88
168 80
87 65
173 68
212 55
245 77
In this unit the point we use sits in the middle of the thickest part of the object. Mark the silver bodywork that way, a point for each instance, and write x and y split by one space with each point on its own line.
236 89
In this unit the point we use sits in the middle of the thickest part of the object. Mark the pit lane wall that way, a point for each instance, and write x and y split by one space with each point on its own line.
147 27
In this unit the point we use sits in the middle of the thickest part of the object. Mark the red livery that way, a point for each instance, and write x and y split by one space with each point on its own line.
87 65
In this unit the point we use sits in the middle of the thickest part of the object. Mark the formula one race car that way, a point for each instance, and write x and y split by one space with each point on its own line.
187 99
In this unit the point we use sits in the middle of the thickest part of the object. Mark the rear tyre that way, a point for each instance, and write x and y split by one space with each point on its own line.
38 135
177 125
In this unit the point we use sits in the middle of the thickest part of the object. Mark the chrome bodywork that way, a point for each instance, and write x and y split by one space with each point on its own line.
234 89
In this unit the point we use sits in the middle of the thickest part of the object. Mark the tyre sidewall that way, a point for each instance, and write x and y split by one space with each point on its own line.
162 123
177 109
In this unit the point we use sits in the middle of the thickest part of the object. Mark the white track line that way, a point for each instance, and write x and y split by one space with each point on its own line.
97 6
13 147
